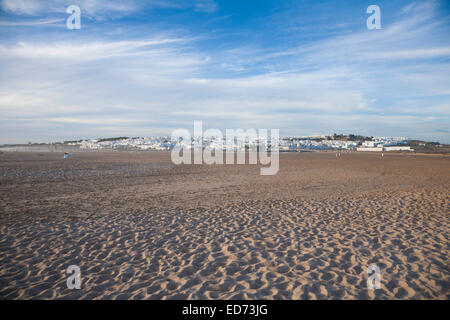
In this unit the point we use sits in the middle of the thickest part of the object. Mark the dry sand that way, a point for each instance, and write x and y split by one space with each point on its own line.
141 228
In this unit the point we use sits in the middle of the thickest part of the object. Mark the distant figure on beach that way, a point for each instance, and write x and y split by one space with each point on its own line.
66 155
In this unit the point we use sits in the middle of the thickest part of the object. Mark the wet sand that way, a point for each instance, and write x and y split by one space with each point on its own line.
140 227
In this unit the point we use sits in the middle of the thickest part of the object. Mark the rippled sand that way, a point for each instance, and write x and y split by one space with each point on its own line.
142 228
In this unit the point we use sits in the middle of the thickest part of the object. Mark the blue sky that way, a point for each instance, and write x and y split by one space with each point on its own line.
140 68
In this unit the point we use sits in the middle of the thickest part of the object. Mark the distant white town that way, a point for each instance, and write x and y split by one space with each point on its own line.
285 144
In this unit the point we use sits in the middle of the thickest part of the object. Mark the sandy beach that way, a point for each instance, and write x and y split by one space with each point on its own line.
140 227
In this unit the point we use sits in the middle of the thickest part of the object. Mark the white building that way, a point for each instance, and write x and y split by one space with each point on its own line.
398 148
368 144
379 149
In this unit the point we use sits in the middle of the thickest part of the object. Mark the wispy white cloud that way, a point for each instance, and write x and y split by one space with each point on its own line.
22 7
206 6
100 9
33 23
86 51
412 54
408 37
90 7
